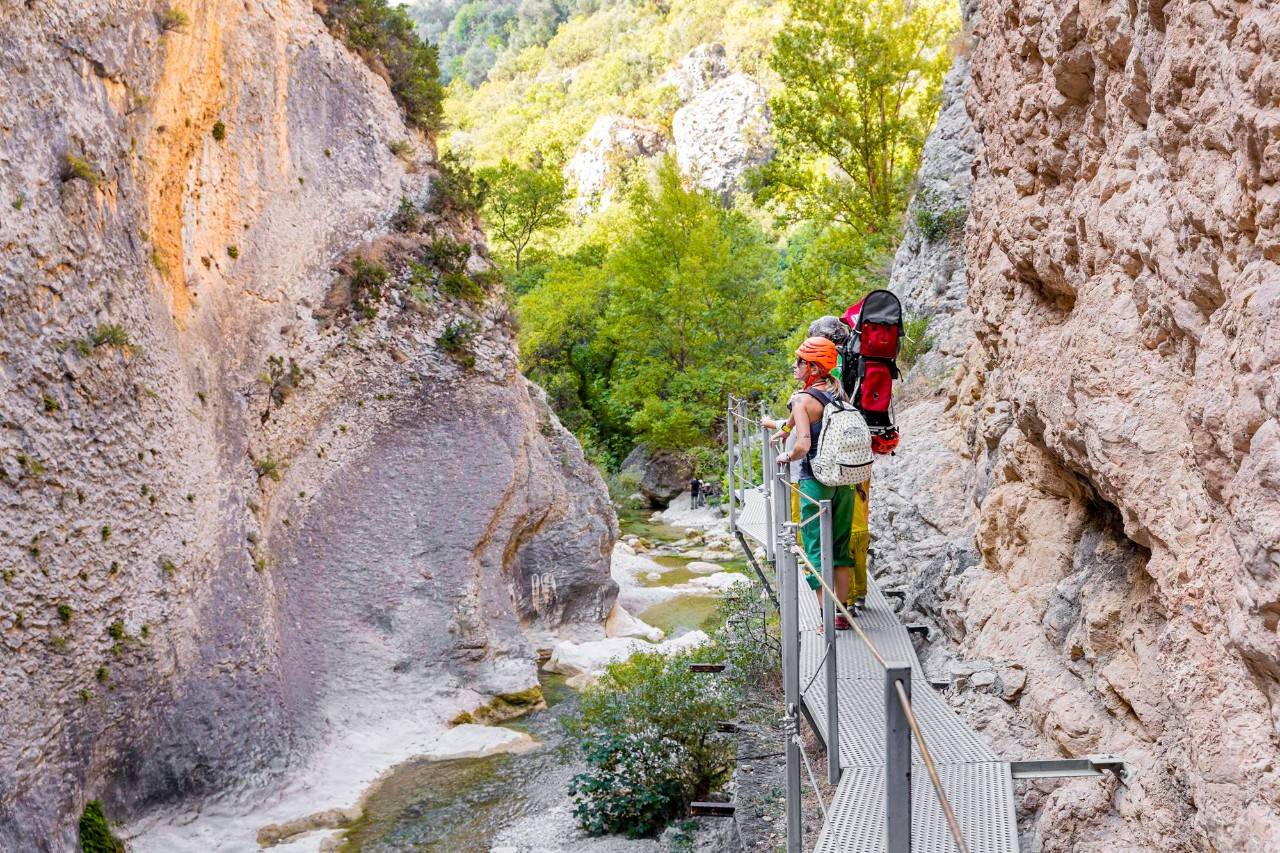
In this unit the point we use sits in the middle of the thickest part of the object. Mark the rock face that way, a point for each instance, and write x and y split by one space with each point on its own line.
613 142
699 70
661 475
1112 433
229 508
723 132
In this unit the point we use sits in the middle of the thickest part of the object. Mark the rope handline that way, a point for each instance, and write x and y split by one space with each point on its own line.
840 604
952 823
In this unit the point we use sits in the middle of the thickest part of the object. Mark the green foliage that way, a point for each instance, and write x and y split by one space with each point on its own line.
50 403
219 130
461 285
522 202
65 613
935 219
647 734
861 87
19 201
367 281
78 167
33 466
95 832
233 252
456 189
917 340
169 18
269 466
384 36
102 675
110 335
456 340
105 532
406 216
116 631
402 148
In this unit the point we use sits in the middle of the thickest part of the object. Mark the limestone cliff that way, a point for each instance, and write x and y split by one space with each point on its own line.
1108 448
251 488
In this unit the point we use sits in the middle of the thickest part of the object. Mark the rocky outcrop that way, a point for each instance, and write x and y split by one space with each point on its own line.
595 170
660 475
1112 429
723 132
246 498
697 71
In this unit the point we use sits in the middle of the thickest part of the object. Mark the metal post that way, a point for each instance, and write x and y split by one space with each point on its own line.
744 451
788 595
781 514
728 431
829 633
767 457
897 760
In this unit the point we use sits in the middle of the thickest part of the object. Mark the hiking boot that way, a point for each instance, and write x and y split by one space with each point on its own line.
860 602
842 624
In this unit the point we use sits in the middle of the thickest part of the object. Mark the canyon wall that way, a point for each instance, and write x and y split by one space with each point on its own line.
249 498
1097 510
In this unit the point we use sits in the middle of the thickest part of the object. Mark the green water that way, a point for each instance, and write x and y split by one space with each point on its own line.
636 522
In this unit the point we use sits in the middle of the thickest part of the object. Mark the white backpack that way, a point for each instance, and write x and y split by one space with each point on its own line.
843 457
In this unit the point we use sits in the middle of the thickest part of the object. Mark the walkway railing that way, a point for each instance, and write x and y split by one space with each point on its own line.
761 507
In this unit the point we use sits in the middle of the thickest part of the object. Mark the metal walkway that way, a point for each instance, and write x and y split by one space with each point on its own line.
871 736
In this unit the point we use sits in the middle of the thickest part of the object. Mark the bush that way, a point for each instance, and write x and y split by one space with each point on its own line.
463 286
170 18
367 281
749 641
384 37
78 167
95 832
457 189
916 340
936 221
406 216
219 130
456 340
646 731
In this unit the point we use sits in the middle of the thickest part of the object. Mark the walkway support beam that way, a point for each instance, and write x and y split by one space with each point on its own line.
789 593
728 438
897 760
832 736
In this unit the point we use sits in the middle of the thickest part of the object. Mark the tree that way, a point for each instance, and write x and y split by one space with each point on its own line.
689 313
861 87
521 202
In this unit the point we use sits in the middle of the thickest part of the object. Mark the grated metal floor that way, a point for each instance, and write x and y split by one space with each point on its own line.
751 515
978 784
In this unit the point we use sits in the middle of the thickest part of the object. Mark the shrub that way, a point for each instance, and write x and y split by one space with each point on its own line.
19 201
402 148
749 640
110 335
170 19
385 38
219 130
406 216
456 340
367 280
456 188
95 832
936 221
646 731
78 167
233 252
462 286
105 532
50 403
102 675
65 613
916 340
116 631
269 466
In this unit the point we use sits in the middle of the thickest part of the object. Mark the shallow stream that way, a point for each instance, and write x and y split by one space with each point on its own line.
464 804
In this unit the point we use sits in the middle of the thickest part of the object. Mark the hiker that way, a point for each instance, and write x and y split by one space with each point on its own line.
695 492
815 360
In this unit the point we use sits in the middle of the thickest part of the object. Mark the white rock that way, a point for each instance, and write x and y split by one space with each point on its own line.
654 576
622 624
577 658
699 567
472 741
611 141
722 133
718 582
623 548
684 642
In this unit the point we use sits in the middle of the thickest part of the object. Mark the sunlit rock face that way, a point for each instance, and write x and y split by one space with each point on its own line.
1112 428
204 553
722 132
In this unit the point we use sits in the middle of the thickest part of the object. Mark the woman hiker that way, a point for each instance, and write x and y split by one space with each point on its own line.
815 360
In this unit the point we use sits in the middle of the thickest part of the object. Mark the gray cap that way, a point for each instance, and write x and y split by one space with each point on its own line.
830 327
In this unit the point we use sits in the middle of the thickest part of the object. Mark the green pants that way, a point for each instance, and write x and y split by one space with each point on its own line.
841 498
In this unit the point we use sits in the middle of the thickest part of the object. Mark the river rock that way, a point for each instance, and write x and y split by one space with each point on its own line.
702 568
717 582
622 624
662 474
723 132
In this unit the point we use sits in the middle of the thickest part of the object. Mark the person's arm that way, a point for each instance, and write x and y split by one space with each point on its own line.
799 414
782 427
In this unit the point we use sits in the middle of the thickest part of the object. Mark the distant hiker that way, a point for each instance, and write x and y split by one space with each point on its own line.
815 359
695 492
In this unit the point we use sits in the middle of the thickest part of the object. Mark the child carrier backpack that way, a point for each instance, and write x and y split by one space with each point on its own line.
870 363
843 455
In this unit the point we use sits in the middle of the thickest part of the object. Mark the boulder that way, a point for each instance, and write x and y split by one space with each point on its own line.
697 72
622 624
722 133
662 474
700 567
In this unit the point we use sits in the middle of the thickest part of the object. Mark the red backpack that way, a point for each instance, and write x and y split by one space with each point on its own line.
870 363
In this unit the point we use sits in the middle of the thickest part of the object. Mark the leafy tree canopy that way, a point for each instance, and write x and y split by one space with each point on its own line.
522 202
